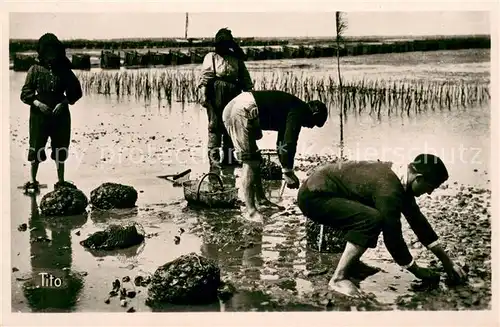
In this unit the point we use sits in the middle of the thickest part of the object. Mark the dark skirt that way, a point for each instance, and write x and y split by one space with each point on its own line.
220 93
41 128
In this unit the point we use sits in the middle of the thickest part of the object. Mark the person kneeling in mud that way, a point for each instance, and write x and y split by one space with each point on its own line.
247 115
50 87
364 198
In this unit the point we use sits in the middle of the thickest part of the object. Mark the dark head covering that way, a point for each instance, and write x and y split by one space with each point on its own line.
319 111
222 35
49 42
431 167
226 45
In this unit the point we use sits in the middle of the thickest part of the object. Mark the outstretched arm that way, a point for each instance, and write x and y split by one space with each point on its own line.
389 202
426 235
287 147
288 138
419 224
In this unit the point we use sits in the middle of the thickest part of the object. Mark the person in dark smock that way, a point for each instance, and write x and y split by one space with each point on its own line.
361 199
50 87
223 76
250 113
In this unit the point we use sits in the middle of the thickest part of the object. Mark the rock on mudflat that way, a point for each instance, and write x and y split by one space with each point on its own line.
64 201
189 279
331 241
113 196
115 237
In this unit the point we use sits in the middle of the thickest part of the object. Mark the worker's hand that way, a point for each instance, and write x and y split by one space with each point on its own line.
425 274
43 107
455 273
291 180
60 107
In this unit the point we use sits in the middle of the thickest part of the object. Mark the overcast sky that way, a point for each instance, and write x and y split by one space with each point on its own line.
258 24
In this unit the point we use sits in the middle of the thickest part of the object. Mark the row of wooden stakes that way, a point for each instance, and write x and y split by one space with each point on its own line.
111 59
134 59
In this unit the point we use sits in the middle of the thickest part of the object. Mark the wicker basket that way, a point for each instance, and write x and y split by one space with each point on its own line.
223 198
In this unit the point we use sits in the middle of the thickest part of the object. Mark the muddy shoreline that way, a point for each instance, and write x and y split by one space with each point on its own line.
295 277
271 268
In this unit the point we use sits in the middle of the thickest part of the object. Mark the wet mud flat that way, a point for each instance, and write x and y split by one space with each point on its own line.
270 267
459 214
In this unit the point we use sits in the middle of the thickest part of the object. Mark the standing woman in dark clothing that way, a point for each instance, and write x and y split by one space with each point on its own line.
50 87
224 76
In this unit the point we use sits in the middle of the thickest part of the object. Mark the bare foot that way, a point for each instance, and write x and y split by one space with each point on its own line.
265 203
254 216
361 270
345 287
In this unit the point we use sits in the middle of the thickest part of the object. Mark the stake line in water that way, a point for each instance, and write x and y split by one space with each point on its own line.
369 96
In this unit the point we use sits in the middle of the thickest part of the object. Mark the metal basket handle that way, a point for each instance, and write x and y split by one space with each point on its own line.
201 180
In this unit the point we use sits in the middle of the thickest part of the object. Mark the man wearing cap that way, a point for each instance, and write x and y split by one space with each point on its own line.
247 115
364 198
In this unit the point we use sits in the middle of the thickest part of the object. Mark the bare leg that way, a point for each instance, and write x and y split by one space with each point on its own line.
214 137
339 281
34 170
60 171
361 270
260 195
248 181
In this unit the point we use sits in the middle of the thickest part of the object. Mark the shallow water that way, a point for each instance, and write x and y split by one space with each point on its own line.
128 142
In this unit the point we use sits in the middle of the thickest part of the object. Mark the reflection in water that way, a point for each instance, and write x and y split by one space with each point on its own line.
362 131
252 258
103 216
317 262
241 251
121 254
232 242
52 257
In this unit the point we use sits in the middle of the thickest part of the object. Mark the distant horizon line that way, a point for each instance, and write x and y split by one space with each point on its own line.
259 37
